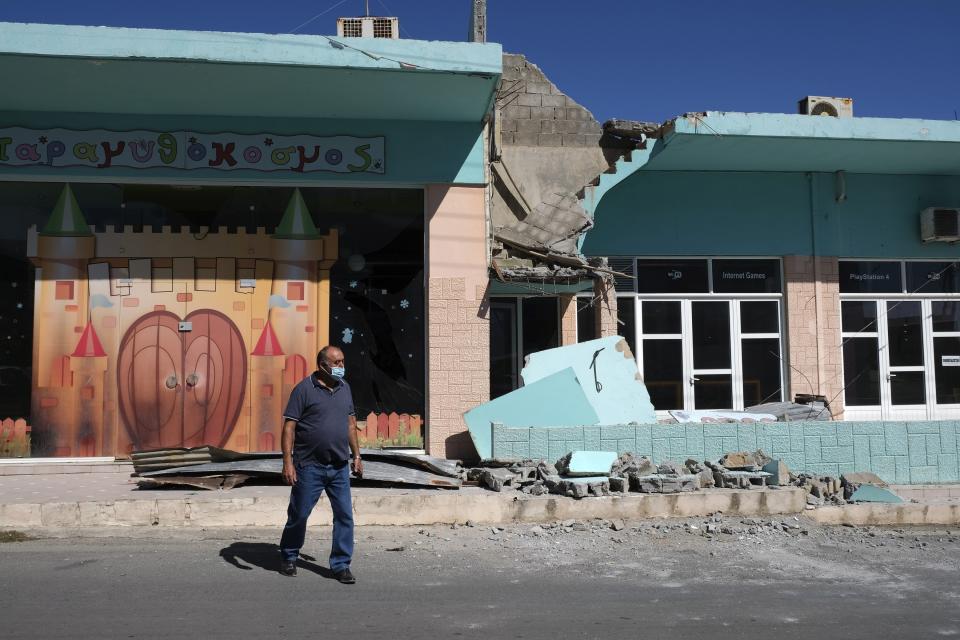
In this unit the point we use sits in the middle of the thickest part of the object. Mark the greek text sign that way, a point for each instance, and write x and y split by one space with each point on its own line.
187 150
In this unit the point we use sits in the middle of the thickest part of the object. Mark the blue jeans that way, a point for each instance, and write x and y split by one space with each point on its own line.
312 479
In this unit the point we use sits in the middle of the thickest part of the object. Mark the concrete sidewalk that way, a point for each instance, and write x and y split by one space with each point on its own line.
106 499
111 499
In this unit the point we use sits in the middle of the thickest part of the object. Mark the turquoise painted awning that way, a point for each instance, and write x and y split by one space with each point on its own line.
166 72
719 141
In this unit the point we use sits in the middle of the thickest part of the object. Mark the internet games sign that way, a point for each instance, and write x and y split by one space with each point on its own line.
105 150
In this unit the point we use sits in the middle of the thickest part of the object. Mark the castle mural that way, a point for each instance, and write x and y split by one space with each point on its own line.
165 339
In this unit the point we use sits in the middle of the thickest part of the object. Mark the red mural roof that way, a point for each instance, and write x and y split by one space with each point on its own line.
89 345
268 345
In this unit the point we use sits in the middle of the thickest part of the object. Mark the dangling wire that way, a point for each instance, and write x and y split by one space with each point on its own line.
593 365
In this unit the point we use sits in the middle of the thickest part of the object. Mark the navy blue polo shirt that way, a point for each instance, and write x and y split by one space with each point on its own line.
323 424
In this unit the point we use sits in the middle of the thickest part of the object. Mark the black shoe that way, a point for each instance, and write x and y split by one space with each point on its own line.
288 567
345 577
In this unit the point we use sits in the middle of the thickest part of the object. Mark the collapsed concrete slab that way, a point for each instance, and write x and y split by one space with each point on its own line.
551 401
607 373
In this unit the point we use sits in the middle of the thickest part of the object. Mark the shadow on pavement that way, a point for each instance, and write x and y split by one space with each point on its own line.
267 557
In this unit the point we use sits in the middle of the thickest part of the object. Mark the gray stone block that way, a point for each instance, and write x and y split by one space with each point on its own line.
550 140
527 126
526 139
516 112
553 100
529 100
539 87
543 113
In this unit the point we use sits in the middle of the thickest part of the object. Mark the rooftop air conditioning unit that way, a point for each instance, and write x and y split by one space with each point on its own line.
368 27
824 106
938 224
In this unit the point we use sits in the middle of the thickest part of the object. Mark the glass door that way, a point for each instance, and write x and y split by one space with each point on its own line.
901 359
903 376
710 353
711 372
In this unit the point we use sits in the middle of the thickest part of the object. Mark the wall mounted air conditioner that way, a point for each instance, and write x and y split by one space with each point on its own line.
368 27
940 224
825 106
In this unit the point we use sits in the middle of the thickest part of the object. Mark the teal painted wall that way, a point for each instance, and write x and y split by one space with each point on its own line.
418 152
898 452
746 213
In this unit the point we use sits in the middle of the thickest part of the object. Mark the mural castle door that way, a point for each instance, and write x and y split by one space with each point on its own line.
181 388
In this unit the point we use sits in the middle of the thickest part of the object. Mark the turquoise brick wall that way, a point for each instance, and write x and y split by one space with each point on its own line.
898 452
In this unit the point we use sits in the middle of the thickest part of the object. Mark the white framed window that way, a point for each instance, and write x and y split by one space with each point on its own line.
706 332
900 330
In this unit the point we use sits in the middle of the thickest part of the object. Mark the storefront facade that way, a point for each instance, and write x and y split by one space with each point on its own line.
776 255
190 216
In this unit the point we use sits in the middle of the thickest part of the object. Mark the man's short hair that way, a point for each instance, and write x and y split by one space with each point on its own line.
322 356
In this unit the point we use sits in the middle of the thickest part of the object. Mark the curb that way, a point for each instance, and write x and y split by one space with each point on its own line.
431 508
887 514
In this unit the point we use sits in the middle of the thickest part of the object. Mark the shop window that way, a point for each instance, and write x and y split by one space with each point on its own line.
705 353
64 290
586 319
519 327
901 356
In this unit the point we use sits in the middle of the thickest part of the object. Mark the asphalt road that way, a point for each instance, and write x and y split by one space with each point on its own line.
522 582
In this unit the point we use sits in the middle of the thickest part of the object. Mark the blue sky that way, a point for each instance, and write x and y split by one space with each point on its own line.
639 59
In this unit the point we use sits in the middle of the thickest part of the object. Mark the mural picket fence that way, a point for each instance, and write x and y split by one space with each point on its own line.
390 430
14 438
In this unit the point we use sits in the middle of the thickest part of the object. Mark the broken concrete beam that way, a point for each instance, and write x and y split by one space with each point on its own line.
496 479
587 463
680 484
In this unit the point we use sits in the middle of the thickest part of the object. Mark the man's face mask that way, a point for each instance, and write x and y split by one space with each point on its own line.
337 372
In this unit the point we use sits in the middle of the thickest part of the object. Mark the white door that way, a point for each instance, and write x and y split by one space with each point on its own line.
710 353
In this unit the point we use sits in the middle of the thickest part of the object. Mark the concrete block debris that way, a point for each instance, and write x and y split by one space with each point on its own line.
703 472
586 463
745 476
722 417
664 483
630 463
745 460
553 400
607 372
853 481
497 478
818 410
872 493
779 473
820 489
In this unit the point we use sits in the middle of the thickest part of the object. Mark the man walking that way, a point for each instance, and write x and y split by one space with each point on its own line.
319 435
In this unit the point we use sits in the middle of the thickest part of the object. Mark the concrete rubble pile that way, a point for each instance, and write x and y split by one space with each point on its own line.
580 474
